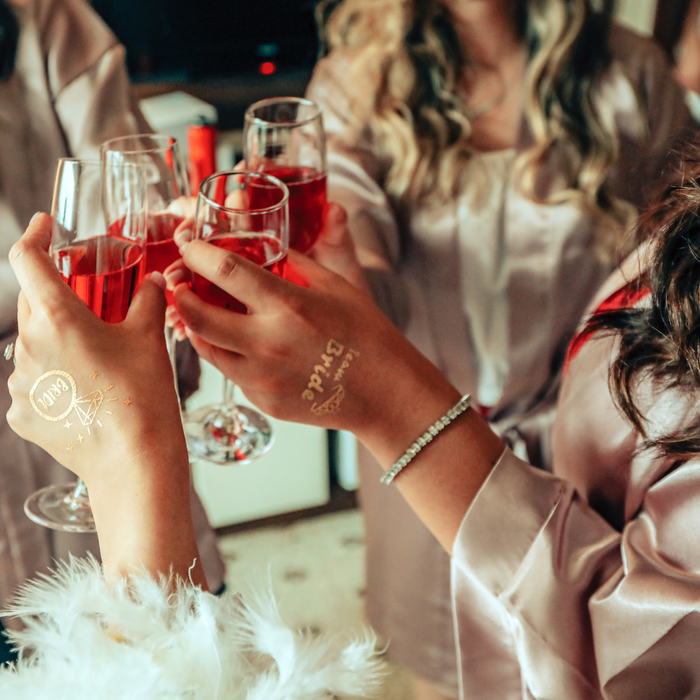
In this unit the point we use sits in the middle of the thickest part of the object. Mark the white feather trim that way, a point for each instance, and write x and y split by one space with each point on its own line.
149 639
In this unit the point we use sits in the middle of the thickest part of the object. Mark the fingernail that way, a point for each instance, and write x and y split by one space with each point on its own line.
338 215
34 217
180 334
183 237
158 279
175 277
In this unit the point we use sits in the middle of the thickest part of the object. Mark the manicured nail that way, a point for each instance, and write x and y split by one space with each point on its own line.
34 217
158 279
183 237
175 277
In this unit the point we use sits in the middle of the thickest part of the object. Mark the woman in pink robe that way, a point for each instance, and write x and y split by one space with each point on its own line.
67 93
489 282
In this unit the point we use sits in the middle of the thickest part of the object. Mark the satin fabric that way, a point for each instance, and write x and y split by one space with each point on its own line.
592 574
69 93
459 302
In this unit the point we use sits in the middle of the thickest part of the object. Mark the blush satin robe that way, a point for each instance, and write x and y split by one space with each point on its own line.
590 575
490 286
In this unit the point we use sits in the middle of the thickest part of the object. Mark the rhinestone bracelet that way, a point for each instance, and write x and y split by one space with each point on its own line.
457 410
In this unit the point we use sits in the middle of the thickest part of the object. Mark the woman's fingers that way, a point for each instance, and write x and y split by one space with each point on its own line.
244 280
36 272
222 359
217 326
24 311
148 306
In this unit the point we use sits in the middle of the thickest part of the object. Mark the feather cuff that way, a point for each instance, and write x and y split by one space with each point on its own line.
164 640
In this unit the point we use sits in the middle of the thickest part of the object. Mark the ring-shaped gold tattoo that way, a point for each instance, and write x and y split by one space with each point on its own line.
74 394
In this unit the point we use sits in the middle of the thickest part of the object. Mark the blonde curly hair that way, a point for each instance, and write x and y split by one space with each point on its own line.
419 120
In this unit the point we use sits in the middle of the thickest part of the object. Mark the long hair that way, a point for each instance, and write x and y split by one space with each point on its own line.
660 344
420 122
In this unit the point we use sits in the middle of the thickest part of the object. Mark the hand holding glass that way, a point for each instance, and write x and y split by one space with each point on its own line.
98 242
245 213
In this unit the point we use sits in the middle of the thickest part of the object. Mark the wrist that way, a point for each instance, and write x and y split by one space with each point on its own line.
401 404
141 506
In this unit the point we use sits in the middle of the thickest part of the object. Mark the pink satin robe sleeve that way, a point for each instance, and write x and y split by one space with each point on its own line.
592 574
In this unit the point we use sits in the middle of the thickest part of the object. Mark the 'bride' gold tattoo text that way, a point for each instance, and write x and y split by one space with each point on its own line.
327 370
54 396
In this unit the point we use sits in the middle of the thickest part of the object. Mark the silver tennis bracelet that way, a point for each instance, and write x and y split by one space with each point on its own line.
457 410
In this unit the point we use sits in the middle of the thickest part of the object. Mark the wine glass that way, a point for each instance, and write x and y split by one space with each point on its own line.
167 195
284 137
245 213
97 242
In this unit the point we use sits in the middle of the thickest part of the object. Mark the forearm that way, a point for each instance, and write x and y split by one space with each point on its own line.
142 514
441 482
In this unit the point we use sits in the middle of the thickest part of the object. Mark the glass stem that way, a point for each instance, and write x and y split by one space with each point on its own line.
80 493
228 400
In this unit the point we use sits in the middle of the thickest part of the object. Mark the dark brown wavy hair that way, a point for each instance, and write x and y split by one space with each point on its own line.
660 344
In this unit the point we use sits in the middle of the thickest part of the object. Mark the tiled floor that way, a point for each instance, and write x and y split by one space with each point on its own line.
317 571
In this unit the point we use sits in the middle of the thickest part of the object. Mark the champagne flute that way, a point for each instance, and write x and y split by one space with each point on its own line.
284 137
245 213
97 242
167 190
167 197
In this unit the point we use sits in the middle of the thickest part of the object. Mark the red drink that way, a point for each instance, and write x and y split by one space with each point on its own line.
161 249
307 201
104 272
259 248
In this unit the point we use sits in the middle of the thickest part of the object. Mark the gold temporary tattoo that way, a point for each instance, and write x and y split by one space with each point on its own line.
55 395
331 405
54 391
314 388
346 363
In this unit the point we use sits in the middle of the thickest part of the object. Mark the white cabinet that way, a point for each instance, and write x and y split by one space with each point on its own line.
293 475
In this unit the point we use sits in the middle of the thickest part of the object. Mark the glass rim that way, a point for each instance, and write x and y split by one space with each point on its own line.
265 210
140 151
251 119
98 163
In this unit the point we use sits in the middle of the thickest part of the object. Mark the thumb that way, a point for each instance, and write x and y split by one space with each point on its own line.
335 227
148 305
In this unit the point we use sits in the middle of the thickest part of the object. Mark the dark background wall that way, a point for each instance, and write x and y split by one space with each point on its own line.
218 50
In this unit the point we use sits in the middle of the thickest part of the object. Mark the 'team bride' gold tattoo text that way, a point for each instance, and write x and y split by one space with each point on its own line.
329 371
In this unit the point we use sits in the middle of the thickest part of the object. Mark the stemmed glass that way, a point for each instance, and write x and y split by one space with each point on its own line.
245 213
167 194
284 137
97 242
